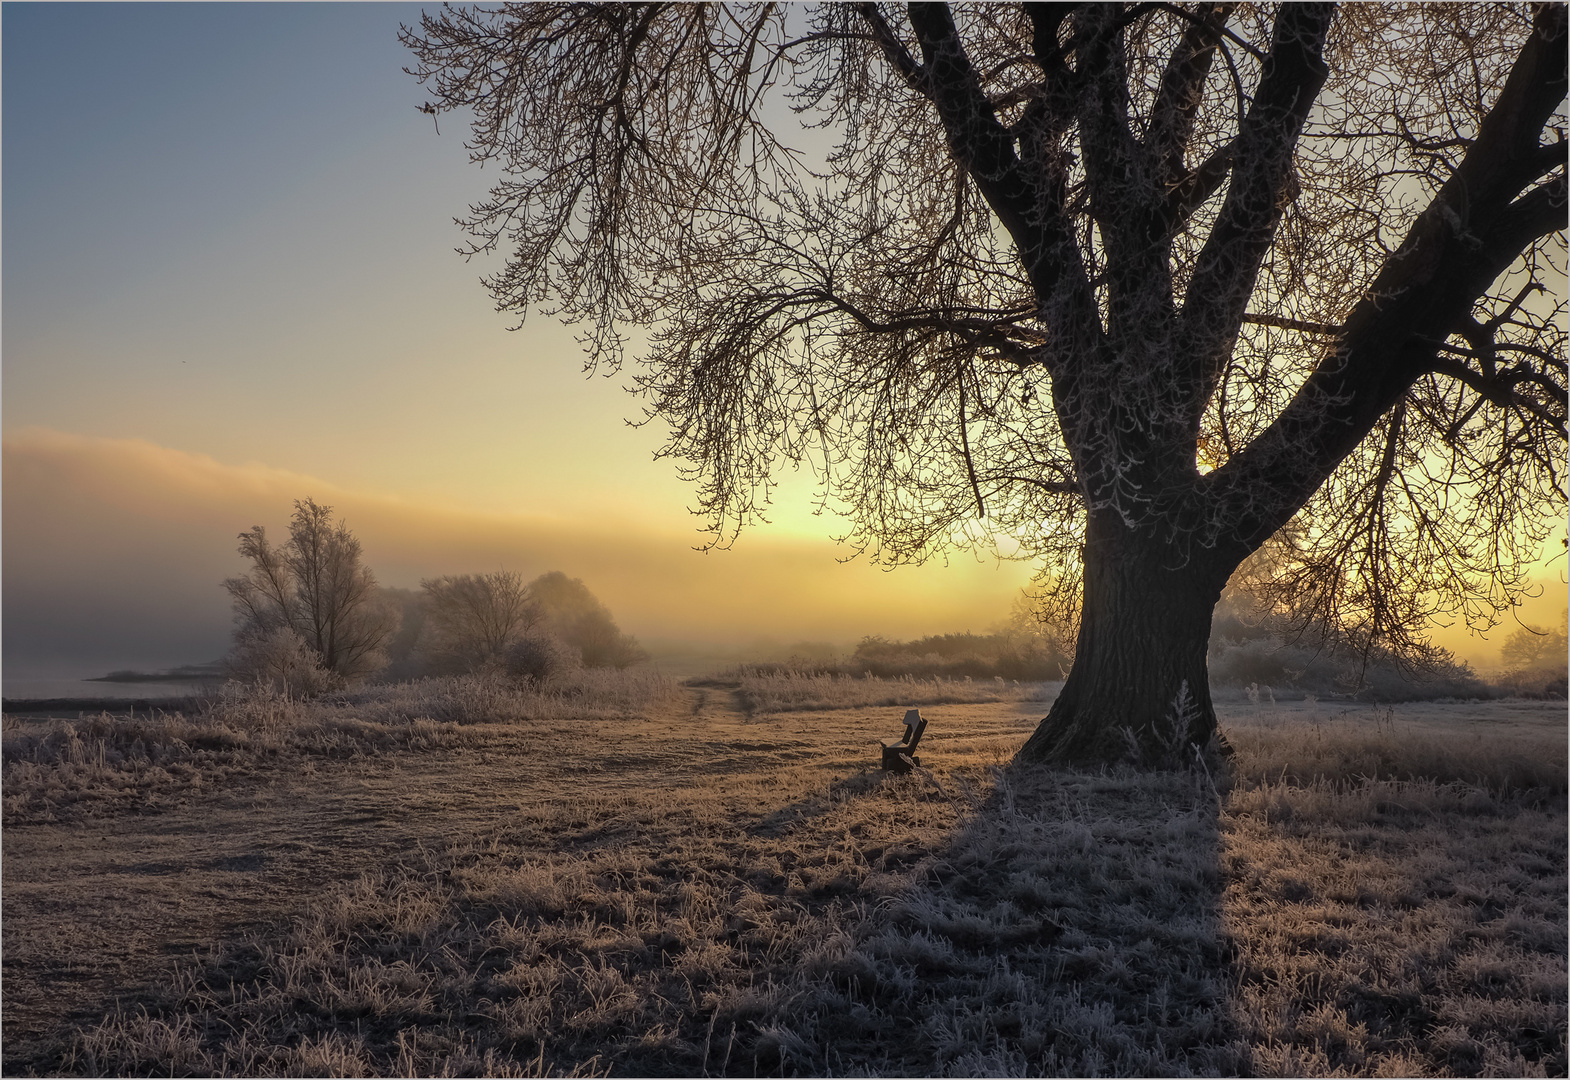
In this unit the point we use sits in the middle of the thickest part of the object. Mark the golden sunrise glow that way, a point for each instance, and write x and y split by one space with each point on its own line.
120 517
170 510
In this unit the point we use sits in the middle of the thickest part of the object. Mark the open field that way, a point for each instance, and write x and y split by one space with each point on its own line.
638 877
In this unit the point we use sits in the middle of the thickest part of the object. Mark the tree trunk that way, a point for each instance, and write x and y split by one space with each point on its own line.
1139 689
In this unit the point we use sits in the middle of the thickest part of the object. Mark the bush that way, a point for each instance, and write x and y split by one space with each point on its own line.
1305 668
772 688
1535 662
1011 656
281 660
576 617
473 619
541 659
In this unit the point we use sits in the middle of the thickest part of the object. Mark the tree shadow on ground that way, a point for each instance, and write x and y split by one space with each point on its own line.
1071 927
1054 922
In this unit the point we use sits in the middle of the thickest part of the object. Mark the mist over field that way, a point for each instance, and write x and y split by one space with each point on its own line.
392 390
115 551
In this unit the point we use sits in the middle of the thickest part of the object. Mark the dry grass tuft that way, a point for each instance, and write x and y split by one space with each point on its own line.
586 694
1397 901
1071 928
635 948
1322 747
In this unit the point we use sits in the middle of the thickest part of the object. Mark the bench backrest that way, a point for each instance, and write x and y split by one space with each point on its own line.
914 726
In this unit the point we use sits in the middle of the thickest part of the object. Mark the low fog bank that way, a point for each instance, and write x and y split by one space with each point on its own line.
115 551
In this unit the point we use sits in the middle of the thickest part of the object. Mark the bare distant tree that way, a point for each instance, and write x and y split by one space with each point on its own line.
577 617
315 586
1123 287
473 619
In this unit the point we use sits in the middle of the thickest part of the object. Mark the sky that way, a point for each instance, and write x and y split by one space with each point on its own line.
229 282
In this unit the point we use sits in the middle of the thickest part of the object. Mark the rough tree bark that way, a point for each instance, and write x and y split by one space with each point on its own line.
1138 687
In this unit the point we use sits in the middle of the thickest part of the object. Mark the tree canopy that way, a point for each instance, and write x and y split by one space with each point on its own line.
1144 281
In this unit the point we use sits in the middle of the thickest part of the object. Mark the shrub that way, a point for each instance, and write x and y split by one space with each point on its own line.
1304 667
575 616
541 659
1023 657
473 620
281 660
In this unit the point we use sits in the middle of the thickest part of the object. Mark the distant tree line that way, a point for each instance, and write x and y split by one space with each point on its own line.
309 616
1257 640
1022 650
1260 637
1249 646
1246 649
1005 654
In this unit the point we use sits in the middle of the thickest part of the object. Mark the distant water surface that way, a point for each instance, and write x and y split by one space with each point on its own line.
25 688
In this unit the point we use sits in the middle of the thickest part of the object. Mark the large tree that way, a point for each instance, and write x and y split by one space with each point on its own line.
1122 287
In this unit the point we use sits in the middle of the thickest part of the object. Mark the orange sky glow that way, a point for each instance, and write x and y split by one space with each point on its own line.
145 528
143 534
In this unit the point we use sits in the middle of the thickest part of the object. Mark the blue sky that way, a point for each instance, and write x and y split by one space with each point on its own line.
229 230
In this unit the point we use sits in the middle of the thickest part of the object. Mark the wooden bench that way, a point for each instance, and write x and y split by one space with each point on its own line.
900 756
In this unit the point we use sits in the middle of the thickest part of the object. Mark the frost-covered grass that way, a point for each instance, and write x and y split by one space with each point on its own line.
1361 896
65 767
1501 746
588 693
